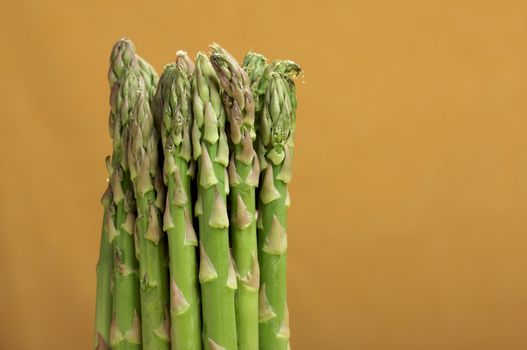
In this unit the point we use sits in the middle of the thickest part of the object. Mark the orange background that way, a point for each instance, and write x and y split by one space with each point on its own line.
408 228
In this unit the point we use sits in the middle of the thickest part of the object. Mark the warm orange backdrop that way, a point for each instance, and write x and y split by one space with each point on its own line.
408 228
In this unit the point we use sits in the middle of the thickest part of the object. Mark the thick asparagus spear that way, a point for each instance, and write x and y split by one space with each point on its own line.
174 98
125 328
103 307
149 195
244 172
276 126
216 272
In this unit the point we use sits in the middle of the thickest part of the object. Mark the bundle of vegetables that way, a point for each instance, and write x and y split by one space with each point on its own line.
193 245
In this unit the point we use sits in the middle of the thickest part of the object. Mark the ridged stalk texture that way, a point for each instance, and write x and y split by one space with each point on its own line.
217 275
276 130
103 306
150 199
125 327
244 172
174 105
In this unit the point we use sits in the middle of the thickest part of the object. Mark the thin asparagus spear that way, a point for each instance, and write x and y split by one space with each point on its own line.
149 195
174 96
276 126
103 307
244 172
216 273
125 328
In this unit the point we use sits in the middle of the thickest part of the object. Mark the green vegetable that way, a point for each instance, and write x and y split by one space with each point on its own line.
236 127
276 129
210 148
244 172
103 307
125 328
149 192
174 98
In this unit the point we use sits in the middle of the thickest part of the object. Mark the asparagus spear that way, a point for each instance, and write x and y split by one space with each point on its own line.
149 195
216 272
260 72
174 98
103 307
125 328
244 172
276 126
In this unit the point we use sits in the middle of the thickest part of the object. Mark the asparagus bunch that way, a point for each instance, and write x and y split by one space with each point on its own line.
244 172
174 108
211 115
216 273
125 328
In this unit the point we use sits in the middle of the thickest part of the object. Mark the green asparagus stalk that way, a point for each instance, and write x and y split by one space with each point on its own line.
125 327
210 148
276 130
174 98
103 307
244 171
150 198
260 73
